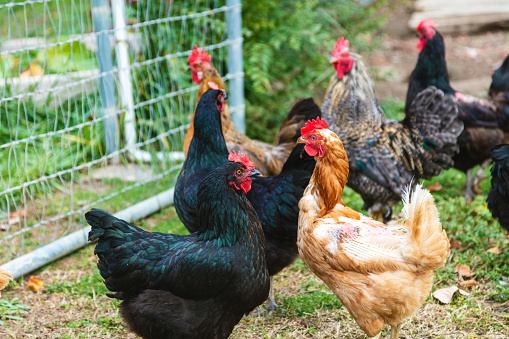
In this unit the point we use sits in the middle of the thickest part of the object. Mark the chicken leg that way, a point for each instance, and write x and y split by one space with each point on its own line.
479 176
272 303
395 331
469 195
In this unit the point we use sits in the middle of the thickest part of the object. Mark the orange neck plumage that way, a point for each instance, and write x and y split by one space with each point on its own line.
330 175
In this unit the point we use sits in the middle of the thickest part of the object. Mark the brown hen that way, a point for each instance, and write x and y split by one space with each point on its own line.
381 274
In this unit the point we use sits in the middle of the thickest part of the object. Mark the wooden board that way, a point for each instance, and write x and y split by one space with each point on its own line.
454 16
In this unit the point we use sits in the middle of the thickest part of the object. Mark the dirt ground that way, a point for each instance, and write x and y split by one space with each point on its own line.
471 59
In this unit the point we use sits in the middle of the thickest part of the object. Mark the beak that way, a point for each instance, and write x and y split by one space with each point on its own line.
332 60
225 97
301 140
255 173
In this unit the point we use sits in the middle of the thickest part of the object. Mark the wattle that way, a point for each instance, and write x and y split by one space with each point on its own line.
195 78
246 185
421 44
311 151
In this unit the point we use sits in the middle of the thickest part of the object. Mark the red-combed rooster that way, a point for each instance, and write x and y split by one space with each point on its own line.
269 159
193 286
386 155
486 122
381 274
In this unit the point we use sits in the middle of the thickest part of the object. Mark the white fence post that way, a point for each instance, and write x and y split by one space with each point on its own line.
101 20
235 68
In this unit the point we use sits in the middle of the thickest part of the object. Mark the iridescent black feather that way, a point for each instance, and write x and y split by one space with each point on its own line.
498 197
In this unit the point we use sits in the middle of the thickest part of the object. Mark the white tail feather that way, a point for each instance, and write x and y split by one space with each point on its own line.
428 246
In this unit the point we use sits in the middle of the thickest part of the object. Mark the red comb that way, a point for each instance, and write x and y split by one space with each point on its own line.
198 55
340 45
426 23
241 158
311 125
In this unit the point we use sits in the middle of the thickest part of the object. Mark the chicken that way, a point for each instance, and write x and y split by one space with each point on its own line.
498 197
275 198
269 159
193 286
381 274
485 121
4 279
386 155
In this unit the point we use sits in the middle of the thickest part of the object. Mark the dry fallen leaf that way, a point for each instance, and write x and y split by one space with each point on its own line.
494 250
436 187
468 283
35 284
4 279
445 294
463 292
455 244
18 214
464 271
33 70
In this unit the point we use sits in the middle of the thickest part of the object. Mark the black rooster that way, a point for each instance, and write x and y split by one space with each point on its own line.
498 198
485 121
275 199
193 286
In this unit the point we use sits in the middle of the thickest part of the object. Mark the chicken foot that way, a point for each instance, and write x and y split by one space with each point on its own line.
479 176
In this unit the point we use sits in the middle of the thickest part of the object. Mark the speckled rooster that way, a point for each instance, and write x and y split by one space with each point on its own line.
385 156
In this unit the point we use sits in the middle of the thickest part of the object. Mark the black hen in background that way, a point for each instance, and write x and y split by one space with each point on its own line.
275 198
193 286
485 121
498 198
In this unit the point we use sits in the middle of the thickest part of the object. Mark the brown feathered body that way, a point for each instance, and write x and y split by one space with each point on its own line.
381 274
269 159
386 155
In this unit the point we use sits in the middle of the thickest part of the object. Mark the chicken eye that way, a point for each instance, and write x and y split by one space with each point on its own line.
313 137
239 172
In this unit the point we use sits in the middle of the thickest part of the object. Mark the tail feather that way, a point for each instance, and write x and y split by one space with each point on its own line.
299 114
428 246
107 226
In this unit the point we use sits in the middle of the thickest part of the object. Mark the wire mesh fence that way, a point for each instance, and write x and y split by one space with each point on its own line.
95 99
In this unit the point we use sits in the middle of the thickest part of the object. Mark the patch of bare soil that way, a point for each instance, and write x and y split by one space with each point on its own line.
471 59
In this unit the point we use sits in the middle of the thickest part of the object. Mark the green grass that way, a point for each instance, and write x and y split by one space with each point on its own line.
50 19
11 310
